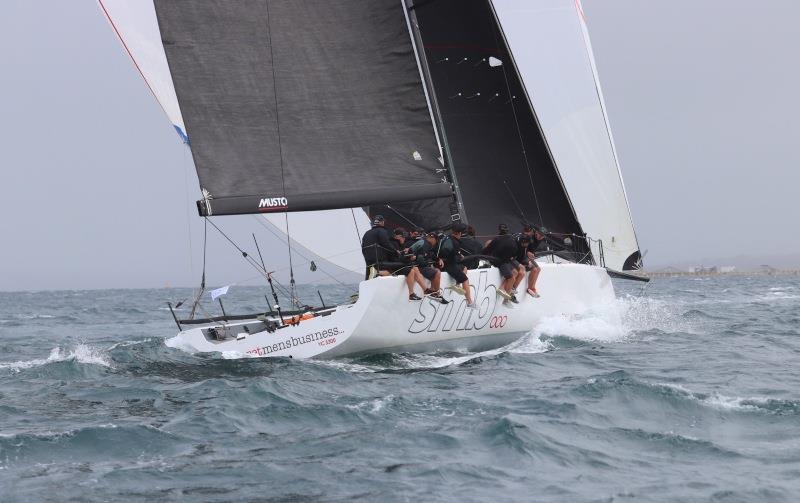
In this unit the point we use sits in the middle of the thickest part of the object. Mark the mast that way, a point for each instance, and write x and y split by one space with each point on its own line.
457 211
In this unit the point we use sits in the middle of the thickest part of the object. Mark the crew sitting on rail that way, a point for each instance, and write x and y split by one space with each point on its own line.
450 261
415 234
529 241
402 264
375 246
471 246
503 248
423 252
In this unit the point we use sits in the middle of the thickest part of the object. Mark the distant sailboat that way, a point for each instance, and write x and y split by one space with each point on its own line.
429 112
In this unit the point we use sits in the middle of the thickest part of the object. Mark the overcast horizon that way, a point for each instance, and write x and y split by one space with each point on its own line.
99 190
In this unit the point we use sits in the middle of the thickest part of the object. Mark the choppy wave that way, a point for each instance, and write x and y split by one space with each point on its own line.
721 401
81 353
687 393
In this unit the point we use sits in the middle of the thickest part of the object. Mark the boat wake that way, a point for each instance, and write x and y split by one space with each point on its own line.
625 319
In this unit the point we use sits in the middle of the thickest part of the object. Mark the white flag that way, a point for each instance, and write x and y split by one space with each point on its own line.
219 292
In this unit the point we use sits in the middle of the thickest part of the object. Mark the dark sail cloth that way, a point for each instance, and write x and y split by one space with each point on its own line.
449 253
470 246
504 248
376 246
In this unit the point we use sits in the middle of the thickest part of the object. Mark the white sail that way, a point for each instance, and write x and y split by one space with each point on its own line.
550 46
136 25
334 235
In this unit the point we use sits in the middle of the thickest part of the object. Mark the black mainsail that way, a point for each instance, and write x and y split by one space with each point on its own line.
294 105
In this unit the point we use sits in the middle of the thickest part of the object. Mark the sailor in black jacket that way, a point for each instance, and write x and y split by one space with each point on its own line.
470 246
504 248
375 245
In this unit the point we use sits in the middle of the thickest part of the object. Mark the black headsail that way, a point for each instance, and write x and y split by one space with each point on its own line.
294 105
504 171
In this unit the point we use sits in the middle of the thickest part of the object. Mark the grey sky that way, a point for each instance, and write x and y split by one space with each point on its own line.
98 190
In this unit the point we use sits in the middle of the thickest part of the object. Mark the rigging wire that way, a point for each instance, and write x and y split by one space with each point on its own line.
519 130
295 302
250 260
202 289
266 226
291 266
185 166
413 225
355 224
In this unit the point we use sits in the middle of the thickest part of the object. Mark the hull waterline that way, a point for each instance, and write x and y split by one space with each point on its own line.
384 320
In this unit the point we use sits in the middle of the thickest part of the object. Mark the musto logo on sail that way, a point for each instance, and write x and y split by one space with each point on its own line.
321 337
273 204
433 316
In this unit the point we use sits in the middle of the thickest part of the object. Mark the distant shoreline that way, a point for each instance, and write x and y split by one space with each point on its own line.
770 272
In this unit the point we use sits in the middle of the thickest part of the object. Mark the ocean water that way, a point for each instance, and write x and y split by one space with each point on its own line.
688 391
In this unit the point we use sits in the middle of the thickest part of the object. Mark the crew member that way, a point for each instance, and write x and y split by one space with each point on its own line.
503 248
415 234
470 246
529 241
375 245
402 263
424 256
450 261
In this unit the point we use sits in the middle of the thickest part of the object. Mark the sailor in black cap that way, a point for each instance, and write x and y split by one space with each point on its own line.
503 248
415 234
401 263
375 245
528 241
450 261
470 246
424 253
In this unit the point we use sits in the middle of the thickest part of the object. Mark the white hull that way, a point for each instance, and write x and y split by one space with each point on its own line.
384 320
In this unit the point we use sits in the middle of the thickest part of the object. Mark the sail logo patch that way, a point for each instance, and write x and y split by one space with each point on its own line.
273 204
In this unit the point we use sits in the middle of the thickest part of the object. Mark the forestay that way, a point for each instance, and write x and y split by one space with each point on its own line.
301 105
550 46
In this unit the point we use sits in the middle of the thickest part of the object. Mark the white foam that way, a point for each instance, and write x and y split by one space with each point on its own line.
615 321
81 353
530 344
235 355
373 406
35 316
719 401
586 328
177 342
343 365
728 402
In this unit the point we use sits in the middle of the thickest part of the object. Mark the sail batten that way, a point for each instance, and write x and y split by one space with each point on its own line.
311 101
